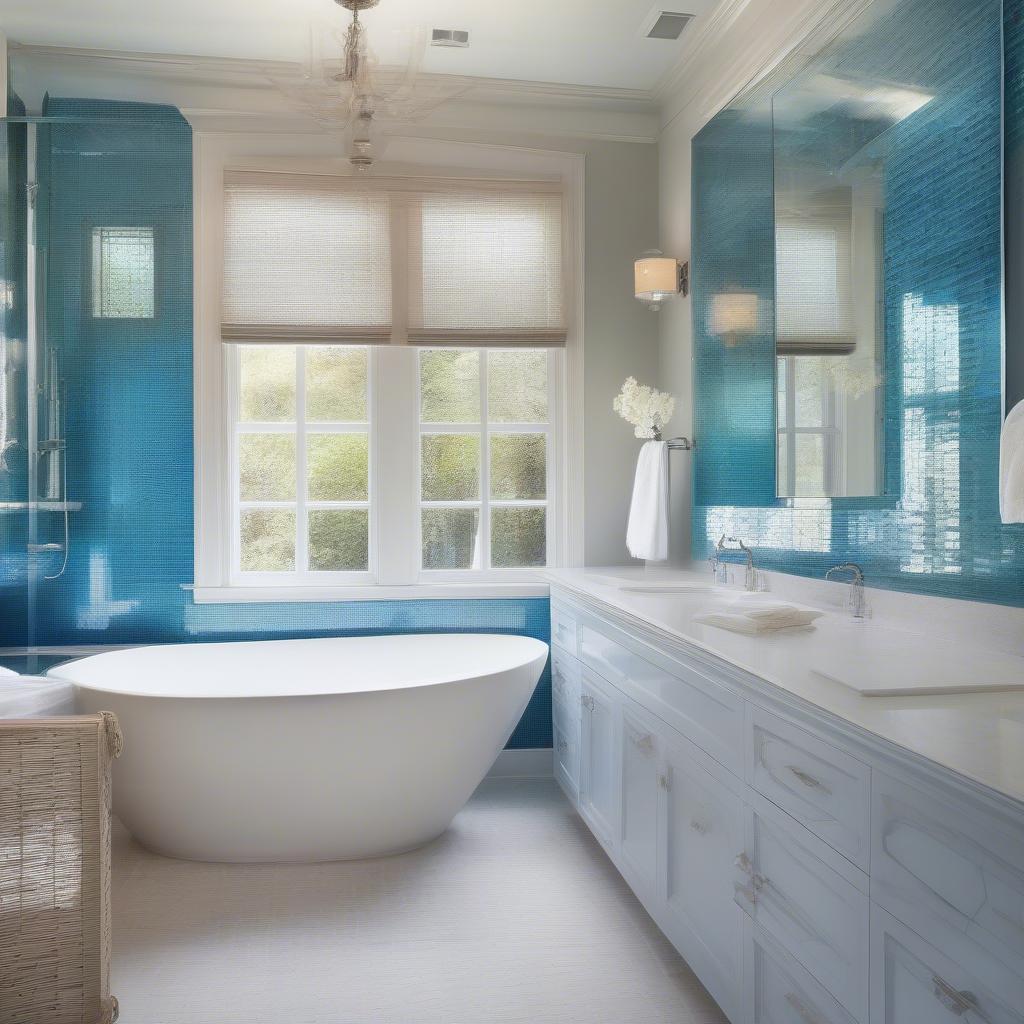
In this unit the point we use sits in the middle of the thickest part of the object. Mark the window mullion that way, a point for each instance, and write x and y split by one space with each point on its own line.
553 459
301 485
232 376
484 545
395 453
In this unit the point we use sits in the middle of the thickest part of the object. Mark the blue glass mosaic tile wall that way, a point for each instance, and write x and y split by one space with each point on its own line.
130 421
14 606
937 529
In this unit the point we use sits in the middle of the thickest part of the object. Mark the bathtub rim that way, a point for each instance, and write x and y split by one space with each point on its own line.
541 652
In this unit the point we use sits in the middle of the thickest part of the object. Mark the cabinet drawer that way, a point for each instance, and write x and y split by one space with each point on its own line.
777 990
564 631
565 680
810 900
823 787
916 982
695 705
935 858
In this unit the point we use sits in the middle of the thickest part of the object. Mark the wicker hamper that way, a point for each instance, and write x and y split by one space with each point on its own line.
55 869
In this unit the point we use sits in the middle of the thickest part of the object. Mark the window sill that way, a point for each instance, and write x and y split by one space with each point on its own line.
373 592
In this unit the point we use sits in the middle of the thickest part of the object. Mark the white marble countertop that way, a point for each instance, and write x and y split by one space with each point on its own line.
979 735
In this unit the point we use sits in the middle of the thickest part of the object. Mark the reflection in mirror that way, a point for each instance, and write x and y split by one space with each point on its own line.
829 140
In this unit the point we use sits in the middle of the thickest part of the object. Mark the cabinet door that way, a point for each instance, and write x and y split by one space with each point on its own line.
937 858
702 826
912 982
808 898
599 790
566 729
777 990
638 828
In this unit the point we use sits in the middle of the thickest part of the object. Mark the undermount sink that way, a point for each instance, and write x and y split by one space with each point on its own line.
638 585
880 662
665 588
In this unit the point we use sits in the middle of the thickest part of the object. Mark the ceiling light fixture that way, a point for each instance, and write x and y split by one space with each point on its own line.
359 96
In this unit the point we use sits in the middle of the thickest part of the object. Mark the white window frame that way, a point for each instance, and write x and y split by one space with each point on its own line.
485 430
832 431
394 436
301 429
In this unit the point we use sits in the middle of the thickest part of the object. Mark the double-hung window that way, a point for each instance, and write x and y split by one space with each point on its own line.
393 367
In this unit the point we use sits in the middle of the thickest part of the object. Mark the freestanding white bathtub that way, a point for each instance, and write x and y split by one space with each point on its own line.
305 750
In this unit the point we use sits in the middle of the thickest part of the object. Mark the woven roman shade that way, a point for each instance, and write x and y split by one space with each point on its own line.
55 869
314 258
814 297
304 261
490 269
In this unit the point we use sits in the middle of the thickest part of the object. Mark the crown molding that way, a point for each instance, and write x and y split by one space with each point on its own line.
225 88
708 33
739 46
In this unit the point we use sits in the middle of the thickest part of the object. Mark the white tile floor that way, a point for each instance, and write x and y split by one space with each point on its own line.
515 914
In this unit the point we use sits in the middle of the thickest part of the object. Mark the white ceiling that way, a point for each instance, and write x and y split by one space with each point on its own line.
579 42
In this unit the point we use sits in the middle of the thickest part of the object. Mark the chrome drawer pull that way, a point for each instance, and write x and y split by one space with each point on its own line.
809 780
644 742
587 701
806 1013
747 893
757 880
742 861
954 1000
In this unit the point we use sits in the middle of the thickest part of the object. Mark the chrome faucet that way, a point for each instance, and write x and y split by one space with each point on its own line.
750 577
858 606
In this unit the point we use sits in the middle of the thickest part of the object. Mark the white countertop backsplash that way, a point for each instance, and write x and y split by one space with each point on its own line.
979 735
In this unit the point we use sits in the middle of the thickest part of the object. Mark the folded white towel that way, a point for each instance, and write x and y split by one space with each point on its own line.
754 619
35 697
1011 466
749 627
647 532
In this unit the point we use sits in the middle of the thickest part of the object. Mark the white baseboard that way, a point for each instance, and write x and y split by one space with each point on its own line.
535 763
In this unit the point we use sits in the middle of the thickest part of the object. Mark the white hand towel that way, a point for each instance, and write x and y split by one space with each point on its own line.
1011 466
647 532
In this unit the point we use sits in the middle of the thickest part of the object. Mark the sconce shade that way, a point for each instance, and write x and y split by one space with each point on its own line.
655 277
733 313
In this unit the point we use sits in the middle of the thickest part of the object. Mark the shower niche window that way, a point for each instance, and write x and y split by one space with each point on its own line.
123 277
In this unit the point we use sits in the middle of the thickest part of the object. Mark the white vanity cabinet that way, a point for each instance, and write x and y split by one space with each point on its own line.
806 875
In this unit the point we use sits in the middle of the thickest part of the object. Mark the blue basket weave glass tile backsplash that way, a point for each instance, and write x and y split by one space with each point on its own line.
129 419
936 530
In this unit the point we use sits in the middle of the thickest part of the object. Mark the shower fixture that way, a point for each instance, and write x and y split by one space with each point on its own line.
50 450
51 458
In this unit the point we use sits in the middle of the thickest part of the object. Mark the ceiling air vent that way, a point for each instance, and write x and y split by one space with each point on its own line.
668 25
448 37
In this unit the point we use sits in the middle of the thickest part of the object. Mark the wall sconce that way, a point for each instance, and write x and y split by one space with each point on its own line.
733 316
657 277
